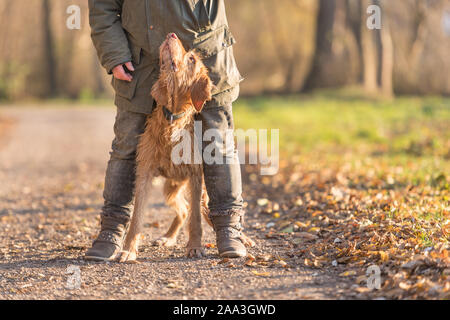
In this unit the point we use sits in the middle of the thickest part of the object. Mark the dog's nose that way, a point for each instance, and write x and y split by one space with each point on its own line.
172 35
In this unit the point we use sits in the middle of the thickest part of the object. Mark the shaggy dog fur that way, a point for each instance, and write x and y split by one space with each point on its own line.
183 87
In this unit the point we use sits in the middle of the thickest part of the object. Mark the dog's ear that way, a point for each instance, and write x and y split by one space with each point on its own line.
201 92
159 93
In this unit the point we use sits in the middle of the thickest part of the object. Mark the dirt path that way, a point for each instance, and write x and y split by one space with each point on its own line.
51 180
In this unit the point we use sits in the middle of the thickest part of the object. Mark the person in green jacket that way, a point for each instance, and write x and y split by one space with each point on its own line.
127 35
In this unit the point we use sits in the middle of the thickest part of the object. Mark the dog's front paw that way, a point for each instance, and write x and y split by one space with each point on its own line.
247 241
165 242
130 249
195 252
126 257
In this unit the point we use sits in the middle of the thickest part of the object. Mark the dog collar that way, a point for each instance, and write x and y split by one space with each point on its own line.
170 116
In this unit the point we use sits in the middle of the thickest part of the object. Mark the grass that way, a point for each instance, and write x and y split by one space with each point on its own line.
410 132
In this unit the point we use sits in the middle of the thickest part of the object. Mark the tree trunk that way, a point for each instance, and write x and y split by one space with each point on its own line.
369 53
378 54
49 55
324 38
387 64
354 21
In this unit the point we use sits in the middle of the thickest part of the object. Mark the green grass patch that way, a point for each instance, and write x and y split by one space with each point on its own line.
411 132
410 126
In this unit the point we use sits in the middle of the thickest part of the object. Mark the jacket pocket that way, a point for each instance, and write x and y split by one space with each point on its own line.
213 42
123 88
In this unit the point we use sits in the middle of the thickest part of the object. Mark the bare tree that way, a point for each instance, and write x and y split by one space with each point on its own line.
324 38
336 60
49 55
387 60
369 52
283 46
284 22
378 54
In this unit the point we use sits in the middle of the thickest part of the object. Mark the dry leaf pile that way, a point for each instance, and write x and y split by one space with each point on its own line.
349 218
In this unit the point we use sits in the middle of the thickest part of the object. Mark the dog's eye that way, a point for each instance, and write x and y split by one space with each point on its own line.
192 59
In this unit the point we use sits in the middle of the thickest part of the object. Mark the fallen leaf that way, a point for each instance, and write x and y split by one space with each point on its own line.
224 260
307 262
363 289
289 229
361 279
383 256
306 235
262 202
302 225
412 264
404 286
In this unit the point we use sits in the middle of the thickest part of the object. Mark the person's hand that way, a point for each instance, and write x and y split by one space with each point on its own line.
120 74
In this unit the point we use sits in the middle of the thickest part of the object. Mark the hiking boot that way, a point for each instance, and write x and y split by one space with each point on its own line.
109 242
229 236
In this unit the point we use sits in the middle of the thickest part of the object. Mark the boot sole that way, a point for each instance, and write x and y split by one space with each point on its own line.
101 259
233 254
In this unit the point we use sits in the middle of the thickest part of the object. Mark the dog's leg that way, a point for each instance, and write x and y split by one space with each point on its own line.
248 242
194 246
173 190
205 208
131 244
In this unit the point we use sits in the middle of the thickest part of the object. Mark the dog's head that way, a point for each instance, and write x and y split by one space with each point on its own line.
184 80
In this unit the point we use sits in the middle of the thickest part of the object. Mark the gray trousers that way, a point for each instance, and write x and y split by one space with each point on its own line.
223 181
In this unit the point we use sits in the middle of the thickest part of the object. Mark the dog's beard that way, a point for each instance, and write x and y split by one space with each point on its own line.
177 88
171 90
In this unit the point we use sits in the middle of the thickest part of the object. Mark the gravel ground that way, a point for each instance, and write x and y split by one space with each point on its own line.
51 179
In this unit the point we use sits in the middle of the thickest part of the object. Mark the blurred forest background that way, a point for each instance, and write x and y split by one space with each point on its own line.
297 46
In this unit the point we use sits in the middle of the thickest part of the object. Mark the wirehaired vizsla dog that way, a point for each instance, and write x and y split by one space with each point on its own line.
180 92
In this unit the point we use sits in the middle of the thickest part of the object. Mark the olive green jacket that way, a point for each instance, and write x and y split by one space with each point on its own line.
133 30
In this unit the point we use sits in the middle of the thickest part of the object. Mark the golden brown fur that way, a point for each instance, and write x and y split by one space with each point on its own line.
183 86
